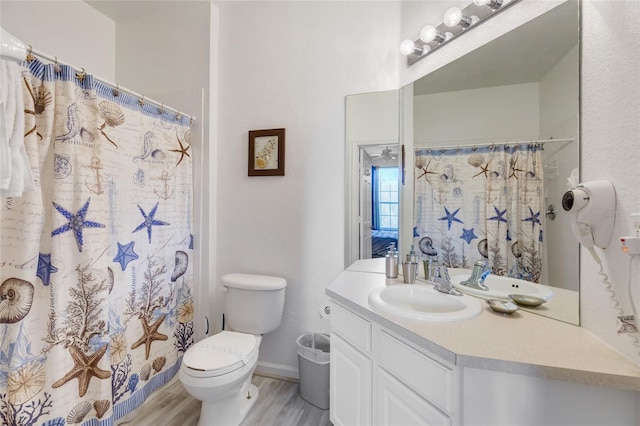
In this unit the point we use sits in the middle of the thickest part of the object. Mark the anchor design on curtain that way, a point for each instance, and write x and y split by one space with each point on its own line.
481 203
94 315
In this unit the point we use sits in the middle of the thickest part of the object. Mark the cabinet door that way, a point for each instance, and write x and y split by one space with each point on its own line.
350 396
396 404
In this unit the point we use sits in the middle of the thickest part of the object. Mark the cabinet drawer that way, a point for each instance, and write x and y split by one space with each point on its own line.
431 379
396 404
351 327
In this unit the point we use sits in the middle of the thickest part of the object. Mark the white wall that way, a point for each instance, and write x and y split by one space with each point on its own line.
559 119
497 114
611 150
559 99
163 53
291 64
71 30
372 118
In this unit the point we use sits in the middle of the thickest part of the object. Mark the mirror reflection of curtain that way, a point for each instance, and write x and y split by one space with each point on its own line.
481 202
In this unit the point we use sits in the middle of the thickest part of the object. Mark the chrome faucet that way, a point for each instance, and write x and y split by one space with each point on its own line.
443 281
478 275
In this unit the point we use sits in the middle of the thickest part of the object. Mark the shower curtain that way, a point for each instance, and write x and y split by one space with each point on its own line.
95 295
481 203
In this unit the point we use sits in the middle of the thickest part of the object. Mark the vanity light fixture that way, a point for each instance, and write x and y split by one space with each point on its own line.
456 22
453 17
493 4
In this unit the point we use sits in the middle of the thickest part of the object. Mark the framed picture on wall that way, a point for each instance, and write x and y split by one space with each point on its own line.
266 152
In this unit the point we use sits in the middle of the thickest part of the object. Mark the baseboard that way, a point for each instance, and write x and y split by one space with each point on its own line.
277 371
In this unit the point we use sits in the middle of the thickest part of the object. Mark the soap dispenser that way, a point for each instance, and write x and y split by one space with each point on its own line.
391 262
412 257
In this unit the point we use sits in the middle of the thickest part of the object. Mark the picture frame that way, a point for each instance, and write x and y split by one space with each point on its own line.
266 152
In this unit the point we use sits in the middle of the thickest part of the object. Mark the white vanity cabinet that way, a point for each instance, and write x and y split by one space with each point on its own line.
378 379
525 370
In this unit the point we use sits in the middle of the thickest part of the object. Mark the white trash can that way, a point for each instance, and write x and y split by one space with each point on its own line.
313 367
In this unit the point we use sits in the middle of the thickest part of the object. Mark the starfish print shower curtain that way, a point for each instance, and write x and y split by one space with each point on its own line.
95 275
481 203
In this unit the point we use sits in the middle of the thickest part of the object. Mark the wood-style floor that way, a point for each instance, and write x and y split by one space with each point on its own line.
279 404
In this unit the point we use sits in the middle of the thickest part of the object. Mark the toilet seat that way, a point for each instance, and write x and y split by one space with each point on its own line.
220 354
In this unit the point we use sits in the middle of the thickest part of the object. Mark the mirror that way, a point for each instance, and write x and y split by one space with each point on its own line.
372 145
519 89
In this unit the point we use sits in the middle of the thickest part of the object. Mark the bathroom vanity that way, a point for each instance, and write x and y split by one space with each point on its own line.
494 369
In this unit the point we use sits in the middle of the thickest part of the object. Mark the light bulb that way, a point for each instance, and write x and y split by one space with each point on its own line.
454 17
407 47
493 4
429 33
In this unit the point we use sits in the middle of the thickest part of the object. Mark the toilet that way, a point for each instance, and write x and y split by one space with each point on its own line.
217 370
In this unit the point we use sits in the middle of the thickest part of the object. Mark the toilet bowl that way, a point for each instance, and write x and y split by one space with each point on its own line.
217 370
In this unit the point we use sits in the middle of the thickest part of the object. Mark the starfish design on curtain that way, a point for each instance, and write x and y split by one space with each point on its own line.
150 334
450 217
468 235
514 167
484 169
534 218
76 222
45 268
499 215
149 221
182 150
426 172
125 254
85 367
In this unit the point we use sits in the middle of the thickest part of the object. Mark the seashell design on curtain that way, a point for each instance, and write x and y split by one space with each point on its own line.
96 305
481 203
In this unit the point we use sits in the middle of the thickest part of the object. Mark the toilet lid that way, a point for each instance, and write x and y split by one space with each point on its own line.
220 354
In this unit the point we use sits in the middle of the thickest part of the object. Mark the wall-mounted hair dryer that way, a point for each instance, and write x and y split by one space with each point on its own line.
592 208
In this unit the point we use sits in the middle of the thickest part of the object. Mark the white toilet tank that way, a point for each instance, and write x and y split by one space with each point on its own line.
253 303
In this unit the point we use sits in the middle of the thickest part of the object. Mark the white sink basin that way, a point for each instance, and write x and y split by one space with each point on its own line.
501 287
423 303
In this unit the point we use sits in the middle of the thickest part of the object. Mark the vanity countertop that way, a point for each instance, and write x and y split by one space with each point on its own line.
521 343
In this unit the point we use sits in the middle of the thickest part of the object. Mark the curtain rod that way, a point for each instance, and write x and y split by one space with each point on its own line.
487 144
115 86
